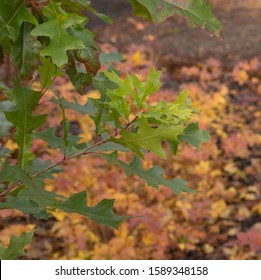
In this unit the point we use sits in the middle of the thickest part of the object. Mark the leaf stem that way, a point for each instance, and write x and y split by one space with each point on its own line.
84 152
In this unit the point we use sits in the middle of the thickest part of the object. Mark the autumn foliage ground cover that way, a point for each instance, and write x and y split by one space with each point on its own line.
220 221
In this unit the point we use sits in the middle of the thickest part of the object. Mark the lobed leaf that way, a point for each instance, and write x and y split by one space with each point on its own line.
56 28
25 100
171 113
12 174
68 145
103 17
49 136
5 125
149 138
31 198
74 6
16 246
64 123
87 108
47 71
80 79
89 57
198 12
102 213
25 52
133 87
153 176
102 115
12 15
194 136
112 57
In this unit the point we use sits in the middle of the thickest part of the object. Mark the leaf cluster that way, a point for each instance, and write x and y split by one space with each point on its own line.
49 39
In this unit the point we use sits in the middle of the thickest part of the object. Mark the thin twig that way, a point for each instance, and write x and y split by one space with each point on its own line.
84 152
131 122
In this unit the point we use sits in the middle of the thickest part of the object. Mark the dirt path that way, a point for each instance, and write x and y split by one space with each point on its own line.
177 44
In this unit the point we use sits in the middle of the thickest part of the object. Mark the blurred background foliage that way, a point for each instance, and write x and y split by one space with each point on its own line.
223 219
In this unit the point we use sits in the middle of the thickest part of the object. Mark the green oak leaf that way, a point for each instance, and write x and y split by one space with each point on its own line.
198 12
47 71
16 246
49 136
173 147
149 138
79 78
194 136
153 176
103 17
37 165
64 123
118 96
79 7
56 28
112 57
12 174
70 142
5 125
74 6
102 110
149 86
89 57
132 87
108 146
102 115
12 15
25 100
102 213
25 52
87 108
31 201
68 146
181 107
102 84
171 113
6 44
31 197
84 35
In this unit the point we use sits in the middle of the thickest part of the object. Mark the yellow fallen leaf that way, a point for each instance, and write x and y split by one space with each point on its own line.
218 208
242 77
149 239
243 213
11 145
208 248
182 246
257 208
59 215
233 231
230 168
